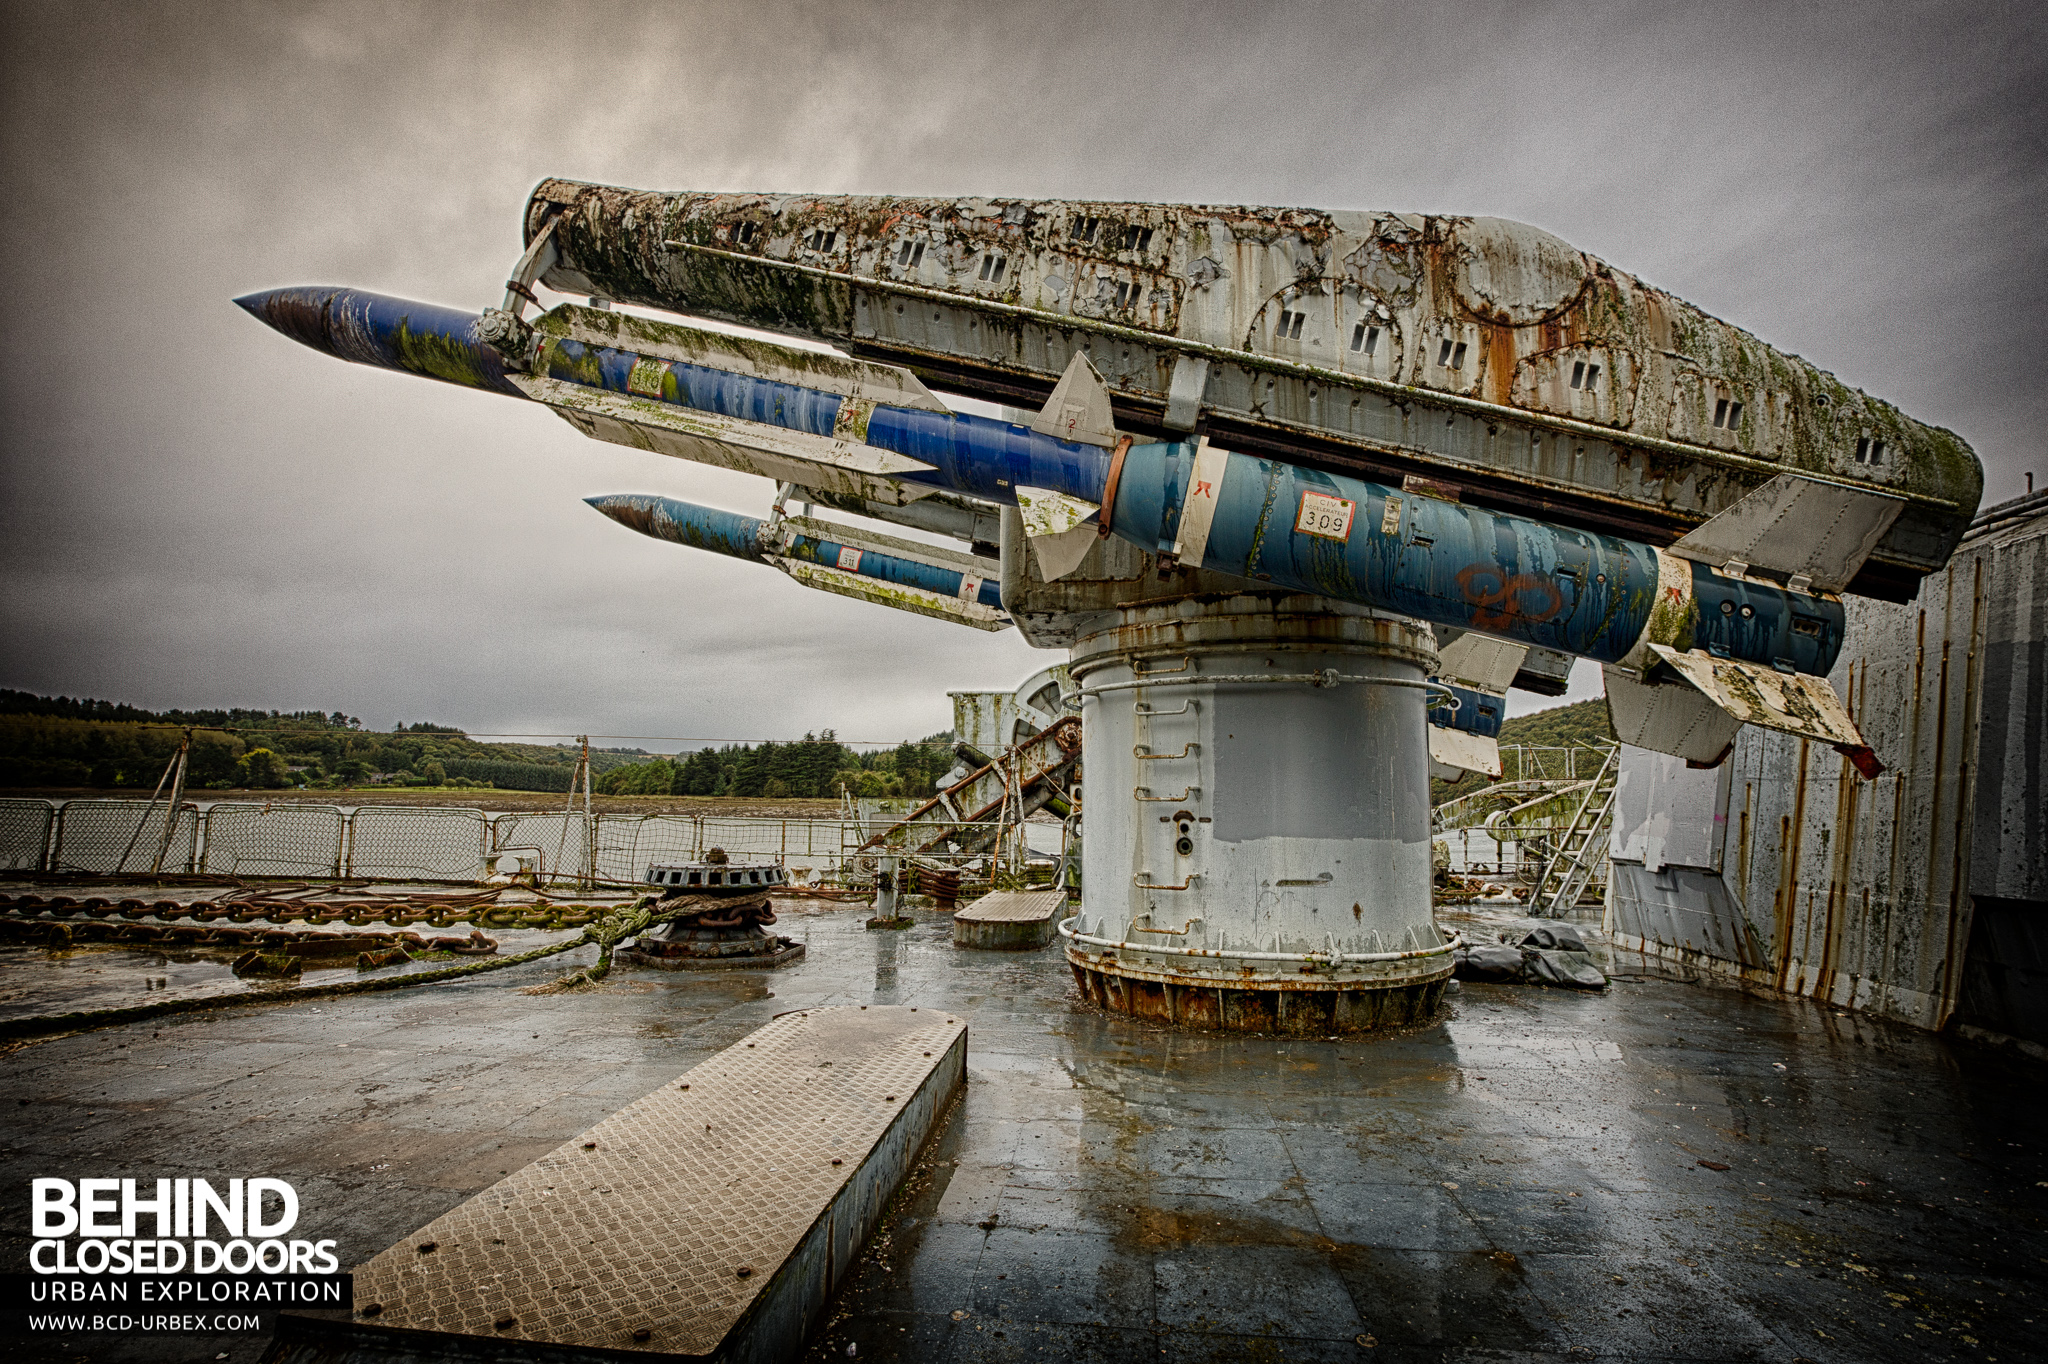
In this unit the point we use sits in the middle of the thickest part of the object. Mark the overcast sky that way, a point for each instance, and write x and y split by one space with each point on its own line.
198 512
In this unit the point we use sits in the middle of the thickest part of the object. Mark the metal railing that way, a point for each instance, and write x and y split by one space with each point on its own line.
305 841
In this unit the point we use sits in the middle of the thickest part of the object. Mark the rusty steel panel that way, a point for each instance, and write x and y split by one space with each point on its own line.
2009 856
1477 349
1859 892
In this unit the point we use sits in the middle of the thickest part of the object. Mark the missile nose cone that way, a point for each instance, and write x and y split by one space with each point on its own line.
389 333
635 512
302 314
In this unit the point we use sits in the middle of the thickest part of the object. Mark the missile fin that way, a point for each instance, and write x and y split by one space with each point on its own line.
1668 718
1791 703
1480 661
1059 527
1184 393
861 538
1459 752
1774 527
823 462
1545 672
917 600
1078 409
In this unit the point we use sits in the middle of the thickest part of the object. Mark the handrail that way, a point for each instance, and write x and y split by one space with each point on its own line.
1328 677
1330 959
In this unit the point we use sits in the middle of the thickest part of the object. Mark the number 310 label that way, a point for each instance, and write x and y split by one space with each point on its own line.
1329 517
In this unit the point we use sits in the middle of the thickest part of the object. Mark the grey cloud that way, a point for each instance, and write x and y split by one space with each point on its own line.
196 511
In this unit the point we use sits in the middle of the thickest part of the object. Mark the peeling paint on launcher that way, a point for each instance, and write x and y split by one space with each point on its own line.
1353 332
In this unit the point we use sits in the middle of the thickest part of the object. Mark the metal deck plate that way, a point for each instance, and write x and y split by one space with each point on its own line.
1014 906
643 1222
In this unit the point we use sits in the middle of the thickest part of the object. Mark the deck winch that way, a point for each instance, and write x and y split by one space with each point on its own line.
729 926
1303 494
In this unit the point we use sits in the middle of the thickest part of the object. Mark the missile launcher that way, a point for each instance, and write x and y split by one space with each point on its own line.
1332 481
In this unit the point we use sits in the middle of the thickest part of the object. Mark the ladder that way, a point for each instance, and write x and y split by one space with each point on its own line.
974 813
1582 849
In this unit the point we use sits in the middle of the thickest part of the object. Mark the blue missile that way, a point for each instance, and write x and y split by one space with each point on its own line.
390 333
1583 593
751 538
1544 585
979 456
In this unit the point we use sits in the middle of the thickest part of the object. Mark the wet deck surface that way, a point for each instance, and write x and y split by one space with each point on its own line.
1517 1181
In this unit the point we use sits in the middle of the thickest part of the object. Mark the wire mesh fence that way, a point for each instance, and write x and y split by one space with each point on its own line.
552 847
628 844
25 827
117 837
401 844
314 842
272 840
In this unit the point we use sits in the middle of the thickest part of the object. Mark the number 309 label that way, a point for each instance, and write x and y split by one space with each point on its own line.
1329 517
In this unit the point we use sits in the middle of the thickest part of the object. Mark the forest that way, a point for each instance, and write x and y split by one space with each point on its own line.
73 743
1583 723
813 766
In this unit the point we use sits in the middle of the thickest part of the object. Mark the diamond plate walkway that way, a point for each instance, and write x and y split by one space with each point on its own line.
1011 919
709 1219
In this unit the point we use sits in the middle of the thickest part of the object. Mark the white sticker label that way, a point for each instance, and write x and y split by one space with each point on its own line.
1329 517
970 587
645 378
849 559
1390 519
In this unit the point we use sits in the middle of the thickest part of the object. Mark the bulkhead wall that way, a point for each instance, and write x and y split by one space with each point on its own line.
1783 868
1230 807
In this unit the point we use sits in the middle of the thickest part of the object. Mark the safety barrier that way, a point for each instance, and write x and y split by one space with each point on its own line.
95 837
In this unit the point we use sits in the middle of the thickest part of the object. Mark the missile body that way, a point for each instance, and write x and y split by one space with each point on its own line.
979 456
768 542
1267 521
1547 586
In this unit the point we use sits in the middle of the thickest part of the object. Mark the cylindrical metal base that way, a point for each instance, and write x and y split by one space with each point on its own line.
1258 852
1318 1010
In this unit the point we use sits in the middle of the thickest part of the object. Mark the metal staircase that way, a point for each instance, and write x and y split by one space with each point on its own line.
974 813
1582 848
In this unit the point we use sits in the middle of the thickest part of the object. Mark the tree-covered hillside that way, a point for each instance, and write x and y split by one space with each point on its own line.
66 742
1581 723
815 765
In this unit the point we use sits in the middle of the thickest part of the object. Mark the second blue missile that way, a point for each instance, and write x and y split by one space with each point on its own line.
763 541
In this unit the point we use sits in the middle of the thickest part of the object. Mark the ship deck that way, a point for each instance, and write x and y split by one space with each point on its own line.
1521 1179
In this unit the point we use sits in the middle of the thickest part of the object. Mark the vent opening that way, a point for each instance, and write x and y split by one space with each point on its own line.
743 234
1142 239
1869 451
1451 355
1290 326
993 266
1585 375
911 255
1085 228
822 240
1365 340
1126 295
